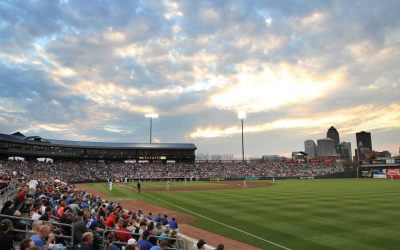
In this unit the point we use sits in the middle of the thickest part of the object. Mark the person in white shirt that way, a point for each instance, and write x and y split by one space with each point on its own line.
32 186
111 185
167 186
35 215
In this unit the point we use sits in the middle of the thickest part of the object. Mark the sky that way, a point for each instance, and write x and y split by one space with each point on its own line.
91 70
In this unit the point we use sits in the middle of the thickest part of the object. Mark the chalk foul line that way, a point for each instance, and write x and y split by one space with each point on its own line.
215 221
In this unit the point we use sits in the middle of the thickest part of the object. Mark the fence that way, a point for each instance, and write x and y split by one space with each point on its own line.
180 243
9 192
69 243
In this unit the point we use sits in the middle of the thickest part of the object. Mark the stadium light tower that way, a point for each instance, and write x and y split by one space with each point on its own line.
242 116
151 116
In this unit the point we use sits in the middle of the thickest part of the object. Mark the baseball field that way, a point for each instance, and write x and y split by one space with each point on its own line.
289 214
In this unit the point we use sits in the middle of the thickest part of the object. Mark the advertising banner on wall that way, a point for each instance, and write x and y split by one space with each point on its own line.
393 173
379 173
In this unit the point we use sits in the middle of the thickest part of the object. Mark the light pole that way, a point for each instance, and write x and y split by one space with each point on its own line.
242 116
151 116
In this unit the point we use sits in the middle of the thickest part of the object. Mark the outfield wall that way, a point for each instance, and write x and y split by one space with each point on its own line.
343 174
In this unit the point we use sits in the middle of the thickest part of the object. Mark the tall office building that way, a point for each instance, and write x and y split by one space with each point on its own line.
364 140
311 149
326 147
344 149
364 146
333 134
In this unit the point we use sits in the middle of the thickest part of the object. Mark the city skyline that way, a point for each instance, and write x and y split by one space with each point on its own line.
91 71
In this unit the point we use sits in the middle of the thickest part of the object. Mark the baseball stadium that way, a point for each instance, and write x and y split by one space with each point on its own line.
133 196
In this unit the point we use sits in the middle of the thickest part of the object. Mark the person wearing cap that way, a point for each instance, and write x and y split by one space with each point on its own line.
132 241
144 243
200 244
131 245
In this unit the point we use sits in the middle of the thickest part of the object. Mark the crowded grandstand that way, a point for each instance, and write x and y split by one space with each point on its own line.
81 172
43 207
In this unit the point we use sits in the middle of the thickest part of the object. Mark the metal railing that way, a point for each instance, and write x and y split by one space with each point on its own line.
9 192
180 242
28 224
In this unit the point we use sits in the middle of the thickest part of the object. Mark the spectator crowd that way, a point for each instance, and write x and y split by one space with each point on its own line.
90 171
45 196
59 212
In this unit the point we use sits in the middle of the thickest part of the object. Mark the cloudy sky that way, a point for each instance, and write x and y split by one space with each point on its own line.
91 70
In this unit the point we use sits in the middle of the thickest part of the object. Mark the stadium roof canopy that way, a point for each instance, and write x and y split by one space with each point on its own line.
86 144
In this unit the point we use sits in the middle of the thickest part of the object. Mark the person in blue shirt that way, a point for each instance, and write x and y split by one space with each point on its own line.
93 223
39 239
53 203
84 204
165 235
144 243
158 218
149 216
164 221
70 199
173 224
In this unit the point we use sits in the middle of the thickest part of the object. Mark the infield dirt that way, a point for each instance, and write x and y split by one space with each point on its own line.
185 219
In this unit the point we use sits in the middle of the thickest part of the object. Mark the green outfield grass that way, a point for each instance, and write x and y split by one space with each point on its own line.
296 214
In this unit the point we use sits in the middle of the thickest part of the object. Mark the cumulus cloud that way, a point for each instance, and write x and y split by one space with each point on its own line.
76 69
364 117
